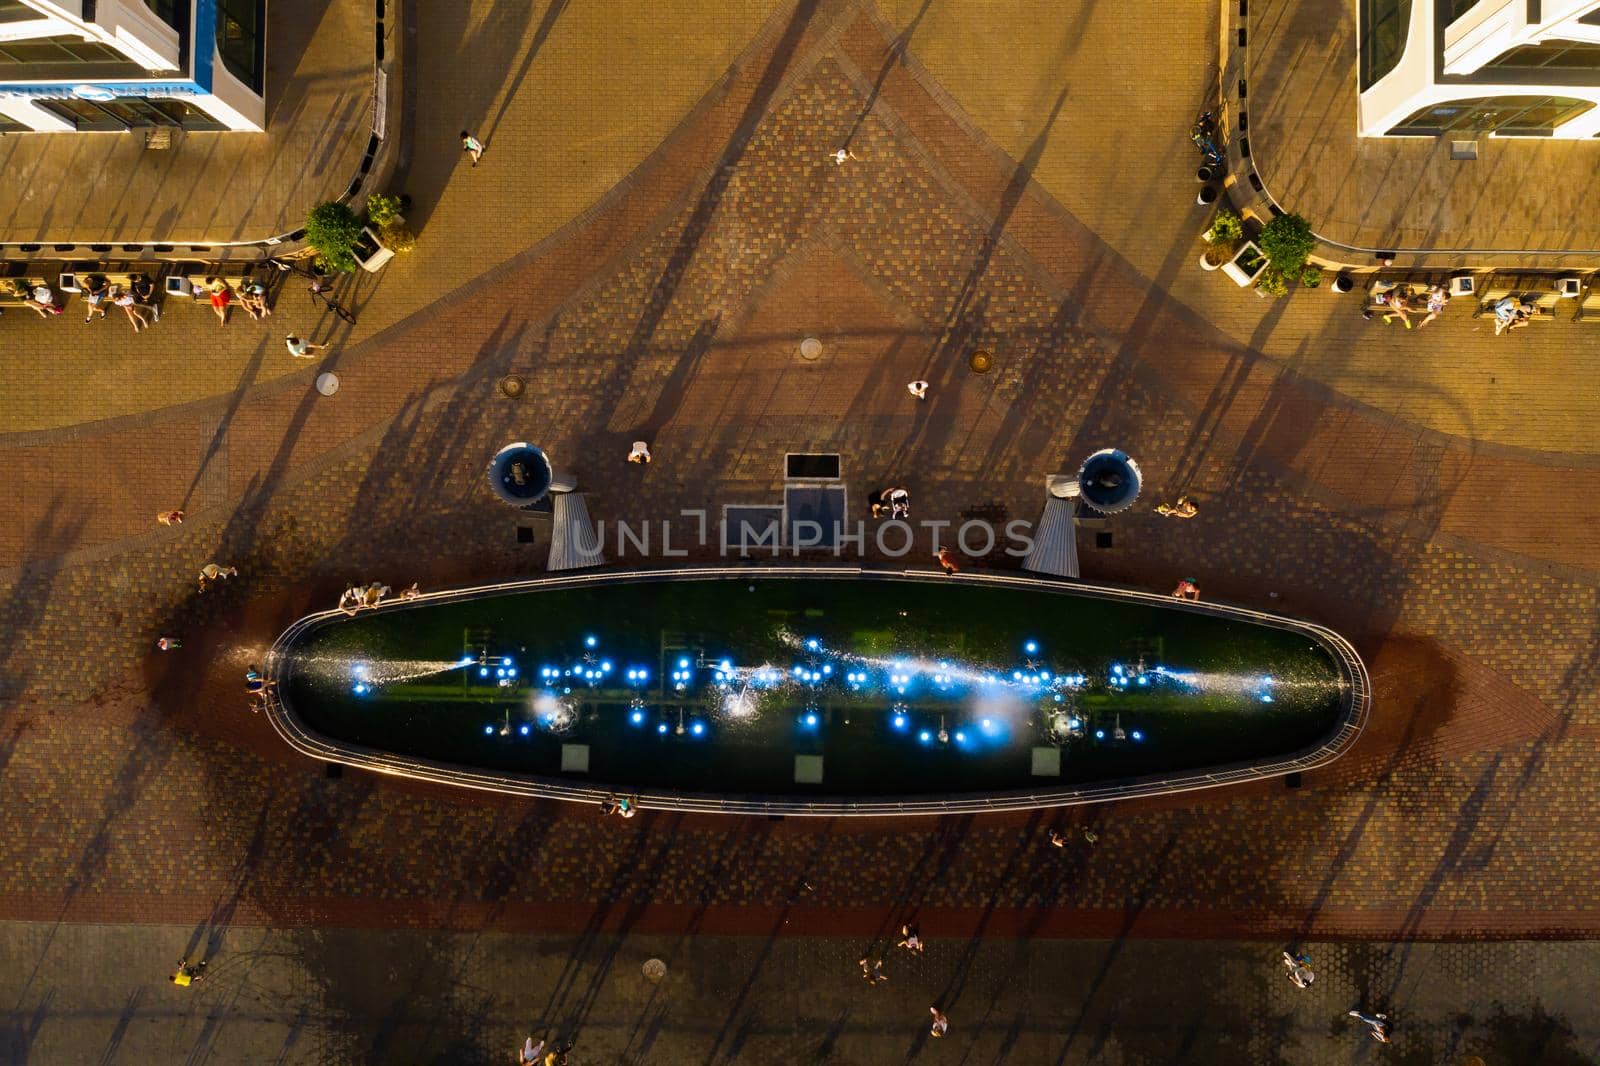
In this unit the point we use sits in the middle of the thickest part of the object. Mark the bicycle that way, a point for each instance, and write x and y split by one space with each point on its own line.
316 290
1204 136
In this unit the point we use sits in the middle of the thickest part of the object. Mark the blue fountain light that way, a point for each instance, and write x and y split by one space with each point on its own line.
961 737
483 671
590 641
1031 646
810 719
661 727
924 736
488 730
813 644
1099 734
900 721
360 688
523 729
697 728
1136 735
637 717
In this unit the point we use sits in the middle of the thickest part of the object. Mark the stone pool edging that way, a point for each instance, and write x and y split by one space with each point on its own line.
1357 702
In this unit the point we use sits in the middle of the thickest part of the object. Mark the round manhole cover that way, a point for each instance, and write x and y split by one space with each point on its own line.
512 385
810 348
981 362
655 969
328 383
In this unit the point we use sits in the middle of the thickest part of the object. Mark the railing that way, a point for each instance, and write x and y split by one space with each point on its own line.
1356 698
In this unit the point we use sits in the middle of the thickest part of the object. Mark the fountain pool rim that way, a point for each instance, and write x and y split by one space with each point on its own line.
1356 701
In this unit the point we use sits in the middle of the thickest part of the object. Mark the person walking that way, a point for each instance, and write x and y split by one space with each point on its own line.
532 1053
303 349
212 573
640 452
1183 508
919 389
872 970
1377 1025
1058 839
188 974
841 154
947 560
472 146
169 643
1299 967
1186 590
170 518
941 1022
910 940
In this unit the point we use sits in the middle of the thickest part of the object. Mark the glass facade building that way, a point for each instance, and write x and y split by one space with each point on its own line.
118 65
1501 68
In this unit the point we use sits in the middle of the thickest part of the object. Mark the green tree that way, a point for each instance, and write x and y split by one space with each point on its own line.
1288 241
333 229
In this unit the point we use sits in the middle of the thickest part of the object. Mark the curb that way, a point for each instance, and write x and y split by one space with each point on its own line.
377 164
1247 193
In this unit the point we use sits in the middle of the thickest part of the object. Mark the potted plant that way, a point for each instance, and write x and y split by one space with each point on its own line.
1227 229
1273 282
385 234
1311 277
1246 264
333 230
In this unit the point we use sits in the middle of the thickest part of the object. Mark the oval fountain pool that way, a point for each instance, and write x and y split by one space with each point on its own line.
817 691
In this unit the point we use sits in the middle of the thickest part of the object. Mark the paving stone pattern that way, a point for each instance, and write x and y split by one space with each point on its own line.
99 993
136 785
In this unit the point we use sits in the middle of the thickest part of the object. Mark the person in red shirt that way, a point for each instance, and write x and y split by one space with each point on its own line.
221 297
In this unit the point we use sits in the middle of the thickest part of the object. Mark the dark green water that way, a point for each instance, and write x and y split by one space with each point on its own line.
960 652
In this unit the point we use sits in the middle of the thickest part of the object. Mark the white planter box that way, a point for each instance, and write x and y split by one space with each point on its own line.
1247 250
376 261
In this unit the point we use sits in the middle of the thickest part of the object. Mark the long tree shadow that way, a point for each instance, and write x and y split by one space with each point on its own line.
220 434
55 533
955 327
705 208
893 58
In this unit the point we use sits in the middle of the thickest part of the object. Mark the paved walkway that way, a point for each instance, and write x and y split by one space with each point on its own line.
1521 193
212 187
133 784
100 994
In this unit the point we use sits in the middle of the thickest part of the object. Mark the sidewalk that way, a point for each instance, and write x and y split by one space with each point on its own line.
100 994
1383 192
212 187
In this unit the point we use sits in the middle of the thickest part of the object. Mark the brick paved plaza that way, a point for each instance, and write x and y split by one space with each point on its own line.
1430 494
